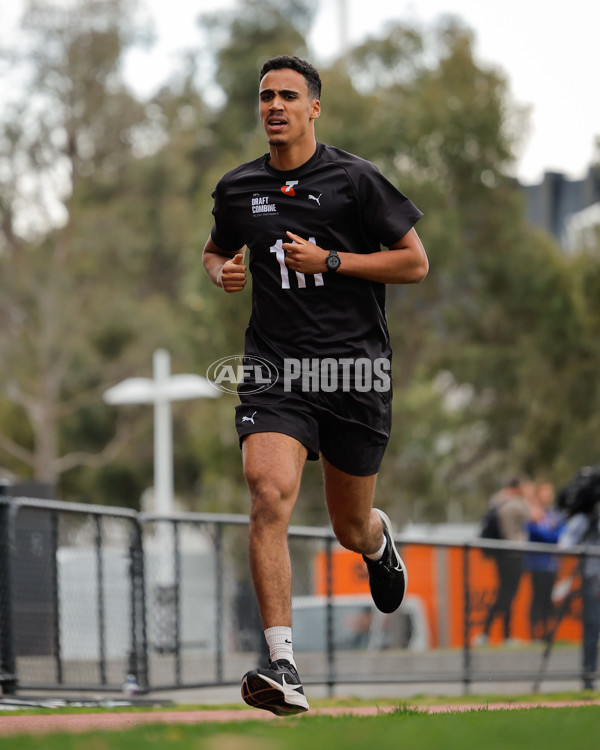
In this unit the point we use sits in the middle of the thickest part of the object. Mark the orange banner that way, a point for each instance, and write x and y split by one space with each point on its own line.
435 576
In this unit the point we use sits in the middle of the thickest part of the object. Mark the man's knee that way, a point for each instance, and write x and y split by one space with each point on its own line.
272 496
268 504
272 464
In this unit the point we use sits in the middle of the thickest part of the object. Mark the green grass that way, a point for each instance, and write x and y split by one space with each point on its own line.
549 728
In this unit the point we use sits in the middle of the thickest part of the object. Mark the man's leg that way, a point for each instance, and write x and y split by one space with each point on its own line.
357 526
273 465
493 608
513 567
361 528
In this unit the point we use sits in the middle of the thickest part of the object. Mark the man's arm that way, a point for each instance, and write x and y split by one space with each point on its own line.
404 263
226 270
574 531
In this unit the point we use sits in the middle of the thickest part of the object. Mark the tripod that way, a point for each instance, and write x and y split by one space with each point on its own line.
565 606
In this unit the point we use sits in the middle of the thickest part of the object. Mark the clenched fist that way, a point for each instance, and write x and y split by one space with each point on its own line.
233 274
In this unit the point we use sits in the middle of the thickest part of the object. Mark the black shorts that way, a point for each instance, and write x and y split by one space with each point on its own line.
350 429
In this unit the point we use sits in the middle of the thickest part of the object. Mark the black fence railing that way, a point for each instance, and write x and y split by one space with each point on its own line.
93 597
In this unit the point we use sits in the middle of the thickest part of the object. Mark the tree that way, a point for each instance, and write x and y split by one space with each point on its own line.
495 353
245 37
478 392
64 257
467 407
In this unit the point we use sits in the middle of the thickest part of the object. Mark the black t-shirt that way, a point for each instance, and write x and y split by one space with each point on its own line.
337 200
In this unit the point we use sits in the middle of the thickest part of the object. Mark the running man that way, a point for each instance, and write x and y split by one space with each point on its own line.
314 219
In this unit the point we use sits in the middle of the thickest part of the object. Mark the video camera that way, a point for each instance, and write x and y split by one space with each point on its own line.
582 494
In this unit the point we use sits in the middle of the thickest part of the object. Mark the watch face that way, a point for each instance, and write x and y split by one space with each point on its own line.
333 262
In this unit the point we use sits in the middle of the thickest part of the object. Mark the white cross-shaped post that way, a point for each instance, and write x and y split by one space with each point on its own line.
161 391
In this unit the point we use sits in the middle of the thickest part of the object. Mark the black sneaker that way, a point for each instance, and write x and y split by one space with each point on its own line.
276 688
387 577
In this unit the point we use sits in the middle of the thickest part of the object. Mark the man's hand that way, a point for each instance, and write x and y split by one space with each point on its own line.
233 274
405 262
304 256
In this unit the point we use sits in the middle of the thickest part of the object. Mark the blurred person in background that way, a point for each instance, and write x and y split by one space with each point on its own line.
513 511
544 526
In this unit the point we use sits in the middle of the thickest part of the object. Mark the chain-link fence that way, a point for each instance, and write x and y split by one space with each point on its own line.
89 595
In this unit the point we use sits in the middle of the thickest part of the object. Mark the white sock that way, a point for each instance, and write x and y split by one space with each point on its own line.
379 554
279 641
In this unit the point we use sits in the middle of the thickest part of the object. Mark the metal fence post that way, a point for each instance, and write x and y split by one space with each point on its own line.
138 655
466 676
54 521
177 600
100 599
8 665
219 601
585 585
329 616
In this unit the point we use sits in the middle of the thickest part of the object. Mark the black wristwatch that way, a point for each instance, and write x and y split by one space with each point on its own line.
333 261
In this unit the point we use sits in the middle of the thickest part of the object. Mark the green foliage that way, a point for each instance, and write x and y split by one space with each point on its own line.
247 36
496 352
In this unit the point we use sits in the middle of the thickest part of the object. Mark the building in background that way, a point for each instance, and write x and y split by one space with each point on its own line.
567 209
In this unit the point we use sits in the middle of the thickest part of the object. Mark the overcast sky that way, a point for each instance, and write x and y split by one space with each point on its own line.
548 50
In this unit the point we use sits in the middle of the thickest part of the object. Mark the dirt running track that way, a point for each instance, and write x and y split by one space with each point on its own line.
88 722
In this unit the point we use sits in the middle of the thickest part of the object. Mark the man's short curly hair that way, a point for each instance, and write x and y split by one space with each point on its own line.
310 73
